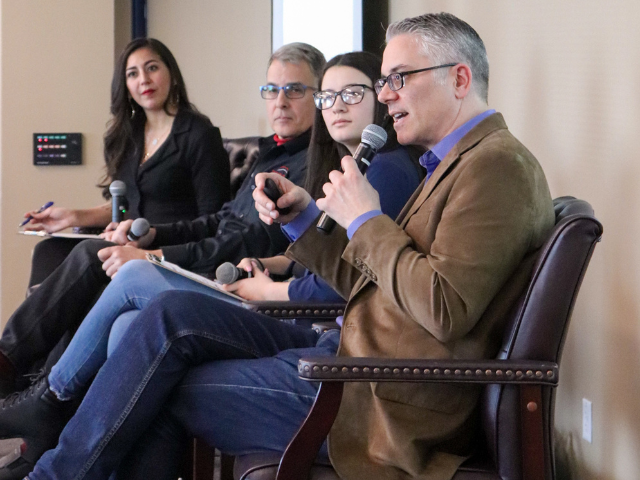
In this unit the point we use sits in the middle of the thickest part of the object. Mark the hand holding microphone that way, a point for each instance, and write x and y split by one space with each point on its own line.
139 228
373 138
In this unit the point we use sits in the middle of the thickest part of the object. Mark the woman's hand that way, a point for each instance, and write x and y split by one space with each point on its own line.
51 220
294 197
260 287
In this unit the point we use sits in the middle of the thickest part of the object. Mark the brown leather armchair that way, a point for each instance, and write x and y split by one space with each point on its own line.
243 153
517 403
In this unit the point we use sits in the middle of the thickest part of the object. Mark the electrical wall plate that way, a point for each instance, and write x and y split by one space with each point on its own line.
57 148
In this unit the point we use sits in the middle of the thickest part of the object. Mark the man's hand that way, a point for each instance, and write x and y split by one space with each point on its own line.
294 197
348 195
260 287
51 220
113 258
119 235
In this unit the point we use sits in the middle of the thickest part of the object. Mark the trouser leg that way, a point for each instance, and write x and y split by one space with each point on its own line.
176 331
49 255
136 284
238 406
57 306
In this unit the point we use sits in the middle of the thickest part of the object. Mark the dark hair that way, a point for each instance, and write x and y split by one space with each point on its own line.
324 152
128 117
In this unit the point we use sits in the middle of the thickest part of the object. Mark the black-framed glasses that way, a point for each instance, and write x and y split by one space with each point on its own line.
291 90
396 80
351 95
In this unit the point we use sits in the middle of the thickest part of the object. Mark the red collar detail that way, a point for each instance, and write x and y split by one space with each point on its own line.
280 141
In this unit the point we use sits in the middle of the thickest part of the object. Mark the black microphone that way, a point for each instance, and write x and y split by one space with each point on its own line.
139 228
229 273
118 190
373 139
272 191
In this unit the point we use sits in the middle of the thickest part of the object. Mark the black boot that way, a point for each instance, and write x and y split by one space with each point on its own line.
34 413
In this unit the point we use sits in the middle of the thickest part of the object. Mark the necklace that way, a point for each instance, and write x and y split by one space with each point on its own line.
151 145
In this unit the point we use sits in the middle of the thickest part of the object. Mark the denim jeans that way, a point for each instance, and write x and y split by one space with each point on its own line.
236 377
135 285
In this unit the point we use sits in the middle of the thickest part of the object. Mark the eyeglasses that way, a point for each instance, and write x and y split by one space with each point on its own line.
291 90
351 95
396 80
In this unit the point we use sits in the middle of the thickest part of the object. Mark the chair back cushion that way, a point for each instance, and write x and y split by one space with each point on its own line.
243 153
537 327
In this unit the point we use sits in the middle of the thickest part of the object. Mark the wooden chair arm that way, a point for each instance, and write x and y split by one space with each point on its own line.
346 369
297 309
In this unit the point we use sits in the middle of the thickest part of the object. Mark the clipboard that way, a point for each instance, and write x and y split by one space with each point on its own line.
213 284
43 234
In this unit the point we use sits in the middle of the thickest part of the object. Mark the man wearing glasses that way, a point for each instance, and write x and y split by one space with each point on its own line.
425 287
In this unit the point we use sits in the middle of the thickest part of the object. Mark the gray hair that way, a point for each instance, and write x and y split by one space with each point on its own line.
297 52
444 38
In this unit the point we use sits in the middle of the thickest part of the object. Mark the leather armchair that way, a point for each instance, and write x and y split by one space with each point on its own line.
243 153
517 405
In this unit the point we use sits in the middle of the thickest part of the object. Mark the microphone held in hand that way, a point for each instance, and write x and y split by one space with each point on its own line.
118 191
272 191
373 139
229 273
139 228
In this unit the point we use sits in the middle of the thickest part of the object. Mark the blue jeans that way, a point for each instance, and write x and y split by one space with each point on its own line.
237 383
135 285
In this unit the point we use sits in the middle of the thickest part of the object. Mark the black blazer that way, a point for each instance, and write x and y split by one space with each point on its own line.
188 176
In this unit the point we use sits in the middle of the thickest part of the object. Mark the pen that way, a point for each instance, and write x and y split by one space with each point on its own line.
29 218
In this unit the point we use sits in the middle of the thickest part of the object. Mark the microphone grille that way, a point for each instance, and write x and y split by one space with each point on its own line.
375 136
140 227
227 273
117 187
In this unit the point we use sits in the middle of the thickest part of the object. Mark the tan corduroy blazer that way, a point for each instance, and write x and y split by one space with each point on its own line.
436 284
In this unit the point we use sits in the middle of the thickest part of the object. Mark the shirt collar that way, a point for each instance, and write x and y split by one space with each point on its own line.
432 158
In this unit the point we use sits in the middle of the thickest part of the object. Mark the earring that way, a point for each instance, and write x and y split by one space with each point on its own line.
133 108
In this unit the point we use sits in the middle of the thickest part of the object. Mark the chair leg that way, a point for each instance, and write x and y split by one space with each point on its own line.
533 457
226 466
203 460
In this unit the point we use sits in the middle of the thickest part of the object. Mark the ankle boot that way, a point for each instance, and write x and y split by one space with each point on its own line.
34 413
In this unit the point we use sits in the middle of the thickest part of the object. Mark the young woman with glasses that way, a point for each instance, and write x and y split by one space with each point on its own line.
346 103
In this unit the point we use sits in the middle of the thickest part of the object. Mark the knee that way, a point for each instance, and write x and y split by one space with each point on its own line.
88 250
136 269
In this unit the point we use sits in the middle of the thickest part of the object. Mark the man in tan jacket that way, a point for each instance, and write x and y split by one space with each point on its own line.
434 283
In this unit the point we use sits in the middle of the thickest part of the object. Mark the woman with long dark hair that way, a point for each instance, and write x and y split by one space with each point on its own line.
169 156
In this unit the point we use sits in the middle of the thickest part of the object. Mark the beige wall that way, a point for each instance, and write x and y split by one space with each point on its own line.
223 59
56 60
565 76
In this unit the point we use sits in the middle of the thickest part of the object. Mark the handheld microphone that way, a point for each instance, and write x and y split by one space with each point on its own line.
118 190
139 228
229 273
373 138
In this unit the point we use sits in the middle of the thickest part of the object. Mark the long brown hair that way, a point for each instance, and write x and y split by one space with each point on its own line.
324 152
128 117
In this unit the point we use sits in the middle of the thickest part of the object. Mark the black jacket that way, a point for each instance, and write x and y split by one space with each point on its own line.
188 176
236 231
